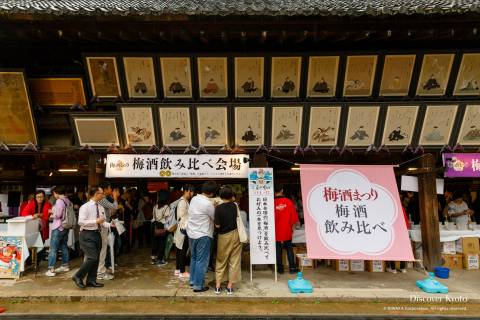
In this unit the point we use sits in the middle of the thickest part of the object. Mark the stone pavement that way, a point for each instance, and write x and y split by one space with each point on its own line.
137 280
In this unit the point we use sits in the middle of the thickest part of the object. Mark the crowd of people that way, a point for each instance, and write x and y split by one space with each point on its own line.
202 227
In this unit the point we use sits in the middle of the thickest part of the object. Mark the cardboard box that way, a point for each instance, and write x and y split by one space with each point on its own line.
467 246
342 265
304 262
452 261
357 265
449 247
375 266
470 261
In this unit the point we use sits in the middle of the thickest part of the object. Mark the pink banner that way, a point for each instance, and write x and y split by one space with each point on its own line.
353 212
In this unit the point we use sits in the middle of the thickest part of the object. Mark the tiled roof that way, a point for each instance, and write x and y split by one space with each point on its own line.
240 7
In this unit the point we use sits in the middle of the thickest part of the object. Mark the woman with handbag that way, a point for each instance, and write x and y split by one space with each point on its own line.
161 211
229 247
181 237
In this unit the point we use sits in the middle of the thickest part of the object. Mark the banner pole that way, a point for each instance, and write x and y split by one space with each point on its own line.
276 279
251 272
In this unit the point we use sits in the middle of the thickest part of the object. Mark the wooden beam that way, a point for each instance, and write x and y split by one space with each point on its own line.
259 160
427 193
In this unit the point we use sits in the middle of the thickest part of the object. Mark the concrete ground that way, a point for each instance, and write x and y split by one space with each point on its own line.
138 283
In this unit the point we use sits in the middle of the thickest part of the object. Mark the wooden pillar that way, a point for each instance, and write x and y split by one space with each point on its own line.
92 171
30 176
427 192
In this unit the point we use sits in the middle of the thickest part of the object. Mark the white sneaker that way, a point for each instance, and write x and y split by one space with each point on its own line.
50 273
177 273
185 275
403 270
63 269
104 276
391 270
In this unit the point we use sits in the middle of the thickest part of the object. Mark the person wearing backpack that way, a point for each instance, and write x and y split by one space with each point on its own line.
59 236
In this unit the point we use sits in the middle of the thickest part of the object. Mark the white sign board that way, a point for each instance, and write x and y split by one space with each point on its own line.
262 216
410 183
177 166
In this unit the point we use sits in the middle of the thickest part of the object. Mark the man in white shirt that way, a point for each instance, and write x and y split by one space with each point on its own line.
91 219
200 233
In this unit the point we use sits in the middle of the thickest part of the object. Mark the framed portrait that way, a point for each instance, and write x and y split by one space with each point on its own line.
176 126
323 127
361 126
55 92
322 76
287 125
249 77
96 131
470 130
249 125
399 125
359 76
285 82
434 75
138 125
212 124
16 117
437 125
212 77
140 75
176 77
468 79
397 75
103 75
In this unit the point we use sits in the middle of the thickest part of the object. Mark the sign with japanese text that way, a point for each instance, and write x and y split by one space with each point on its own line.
353 212
177 166
462 165
262 216
11 263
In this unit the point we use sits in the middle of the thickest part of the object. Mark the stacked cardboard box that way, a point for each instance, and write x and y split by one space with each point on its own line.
470 249
452 261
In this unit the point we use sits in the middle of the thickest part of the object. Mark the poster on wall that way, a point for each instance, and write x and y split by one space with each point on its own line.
285 80
176 127
396 76
57 91
96 131
361 126
140 75
468 79
11 249
262 216
249 77
438 125
249 125
353 212
399 125
103 75
470 130
359 76
323 128
322 76
212 126
138 125
177 166
434 74
17 126
212 77
176 77
286 126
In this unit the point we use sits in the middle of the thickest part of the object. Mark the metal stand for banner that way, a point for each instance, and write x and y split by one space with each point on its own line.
251 272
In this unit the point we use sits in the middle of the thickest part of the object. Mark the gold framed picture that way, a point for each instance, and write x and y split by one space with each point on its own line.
96 131
103 75
359 76
57 91
16 116
399 125
176 126
438 125
470 131
322 76
286 125
138 125
434 75
249 77
323 127
176 77
468 79
397 75
212 77
212 126
285 80
361 125
249 125
140 75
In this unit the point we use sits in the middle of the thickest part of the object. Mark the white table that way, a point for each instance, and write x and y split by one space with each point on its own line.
446 235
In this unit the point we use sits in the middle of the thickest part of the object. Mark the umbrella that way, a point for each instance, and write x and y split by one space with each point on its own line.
111 243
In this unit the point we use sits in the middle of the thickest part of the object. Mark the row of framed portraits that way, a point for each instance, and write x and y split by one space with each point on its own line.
286 125
286 78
